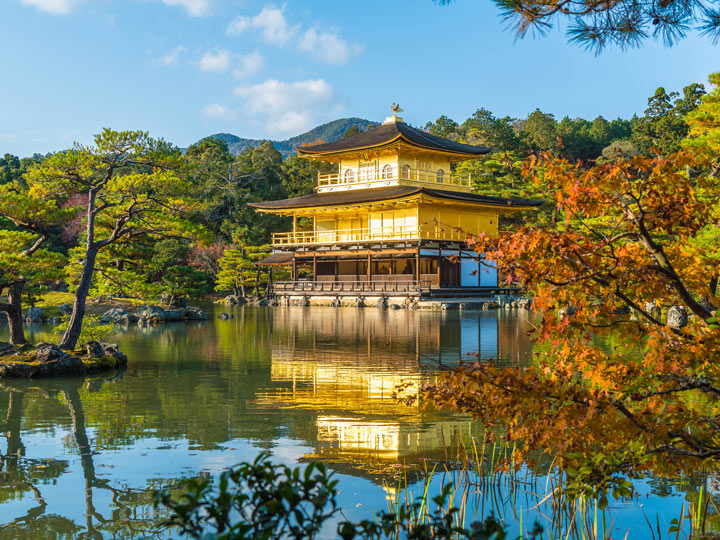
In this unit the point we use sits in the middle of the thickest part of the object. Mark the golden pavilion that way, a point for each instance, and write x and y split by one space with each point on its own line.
393 220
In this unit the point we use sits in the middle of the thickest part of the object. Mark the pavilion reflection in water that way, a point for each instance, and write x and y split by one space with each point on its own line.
352 365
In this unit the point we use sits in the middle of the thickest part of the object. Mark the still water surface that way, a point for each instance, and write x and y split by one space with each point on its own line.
83 456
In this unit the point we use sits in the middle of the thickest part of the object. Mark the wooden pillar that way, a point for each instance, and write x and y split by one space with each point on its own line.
369 268
294 269
439 264
417 266
315 278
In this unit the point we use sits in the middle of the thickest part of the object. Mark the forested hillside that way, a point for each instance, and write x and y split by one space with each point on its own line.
331 131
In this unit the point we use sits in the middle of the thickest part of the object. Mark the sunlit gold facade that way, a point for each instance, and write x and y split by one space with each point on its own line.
393 218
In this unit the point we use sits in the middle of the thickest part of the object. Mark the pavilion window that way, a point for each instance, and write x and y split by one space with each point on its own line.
366 171
425 171
387 172
440 176
349 176
406 172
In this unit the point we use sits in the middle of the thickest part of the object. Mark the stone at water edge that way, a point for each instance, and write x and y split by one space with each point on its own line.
195 314
233 299
46 352
94 349
677 317
225 316
112 349
174 315
34 314
151 312
115 315
65 309
6 348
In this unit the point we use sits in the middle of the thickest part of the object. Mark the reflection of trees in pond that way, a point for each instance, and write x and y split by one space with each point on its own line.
132 512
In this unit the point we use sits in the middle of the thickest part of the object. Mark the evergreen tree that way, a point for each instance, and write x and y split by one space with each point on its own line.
130 188
663 125
540 131
238 270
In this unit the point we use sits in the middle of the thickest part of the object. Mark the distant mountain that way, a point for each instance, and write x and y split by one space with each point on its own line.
332 131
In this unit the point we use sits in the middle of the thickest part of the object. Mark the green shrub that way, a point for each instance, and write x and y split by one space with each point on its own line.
264 501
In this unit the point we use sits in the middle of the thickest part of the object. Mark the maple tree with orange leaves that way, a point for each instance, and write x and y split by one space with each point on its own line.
613 391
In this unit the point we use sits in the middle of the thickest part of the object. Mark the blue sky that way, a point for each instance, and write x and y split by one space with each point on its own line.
184 69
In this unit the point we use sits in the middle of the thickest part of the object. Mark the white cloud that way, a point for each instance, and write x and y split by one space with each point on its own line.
249 64
172 58
288 107
270 22
327 46
274 28
218 61
238 26
56 7
195 8
215 110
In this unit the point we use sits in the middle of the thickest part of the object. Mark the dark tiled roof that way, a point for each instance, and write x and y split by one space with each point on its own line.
276 259
388 133
476 197
358 196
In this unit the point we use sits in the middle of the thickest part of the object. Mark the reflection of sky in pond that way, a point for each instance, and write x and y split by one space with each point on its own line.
304 383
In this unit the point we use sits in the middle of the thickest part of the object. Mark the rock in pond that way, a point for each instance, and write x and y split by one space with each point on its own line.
151 313
48 360
195 314
46 352
94 349
234 299
226 316
116 315
34 314
174 315
6 348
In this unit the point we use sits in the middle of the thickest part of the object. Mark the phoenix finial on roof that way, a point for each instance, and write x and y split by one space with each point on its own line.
396 108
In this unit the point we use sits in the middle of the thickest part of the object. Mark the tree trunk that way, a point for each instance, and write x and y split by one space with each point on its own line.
72 332
713 285
13 425
13 308
257 283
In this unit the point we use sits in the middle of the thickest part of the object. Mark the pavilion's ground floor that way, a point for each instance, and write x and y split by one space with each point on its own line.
424 270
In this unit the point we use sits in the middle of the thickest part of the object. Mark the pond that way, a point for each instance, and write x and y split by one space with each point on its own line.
82 457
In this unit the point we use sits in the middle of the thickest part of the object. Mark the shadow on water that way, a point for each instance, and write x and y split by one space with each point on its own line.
84 455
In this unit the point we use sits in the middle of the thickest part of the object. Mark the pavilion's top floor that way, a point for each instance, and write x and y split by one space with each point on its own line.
393 154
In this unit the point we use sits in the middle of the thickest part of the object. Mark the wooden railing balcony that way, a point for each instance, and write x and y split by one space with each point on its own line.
353 236
376 286
392 176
